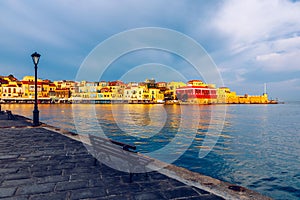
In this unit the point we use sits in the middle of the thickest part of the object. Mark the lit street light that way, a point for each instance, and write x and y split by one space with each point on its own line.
35 57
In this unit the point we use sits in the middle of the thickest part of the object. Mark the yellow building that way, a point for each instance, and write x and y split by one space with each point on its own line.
156 95
137 93
11 90
172 86
229 97
105 94
117 90
28 86
255 99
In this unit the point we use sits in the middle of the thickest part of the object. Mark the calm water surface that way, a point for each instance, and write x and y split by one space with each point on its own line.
258 147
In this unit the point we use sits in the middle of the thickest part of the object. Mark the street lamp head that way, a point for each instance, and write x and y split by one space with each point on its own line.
35 57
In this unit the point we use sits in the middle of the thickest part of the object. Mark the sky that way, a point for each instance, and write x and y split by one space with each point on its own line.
251 42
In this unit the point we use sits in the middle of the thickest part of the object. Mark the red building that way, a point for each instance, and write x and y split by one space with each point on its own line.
197 92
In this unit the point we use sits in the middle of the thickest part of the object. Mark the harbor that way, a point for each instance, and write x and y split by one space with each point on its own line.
48 162
253 156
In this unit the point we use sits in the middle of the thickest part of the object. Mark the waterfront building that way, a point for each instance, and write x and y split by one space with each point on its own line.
91 90
100 87
137 92
229 97
11 90
85 89
29 87
170 94
156 95
66 84
225 95
105 94
117 90
62 95
52 93
162 86
149 91
197 92
253 99
2 82
130 92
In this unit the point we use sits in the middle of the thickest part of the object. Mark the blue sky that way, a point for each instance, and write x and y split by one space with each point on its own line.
252 42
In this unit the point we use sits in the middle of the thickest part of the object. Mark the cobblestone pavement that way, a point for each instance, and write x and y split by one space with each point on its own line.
36 163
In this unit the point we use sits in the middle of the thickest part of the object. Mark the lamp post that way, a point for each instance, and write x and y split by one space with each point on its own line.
35 58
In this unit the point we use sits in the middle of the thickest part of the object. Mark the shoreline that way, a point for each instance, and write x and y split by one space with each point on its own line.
142 103
223 189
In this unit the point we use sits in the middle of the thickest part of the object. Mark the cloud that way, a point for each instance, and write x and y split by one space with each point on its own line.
280 61
281 55
251 21
262 41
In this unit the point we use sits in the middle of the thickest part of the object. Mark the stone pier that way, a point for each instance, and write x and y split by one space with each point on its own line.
48 163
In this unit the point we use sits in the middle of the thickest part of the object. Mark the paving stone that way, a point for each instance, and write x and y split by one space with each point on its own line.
53 179
71 185
180 192
36 188
38 167
176 183
111 180
123 188
96 182
54 196
148 196
127 196
90 175
157 176
8 170
156 185
7 157
81 170
21 197
17 182
62 165
137 177
88 193
17 176
47 173
7 192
